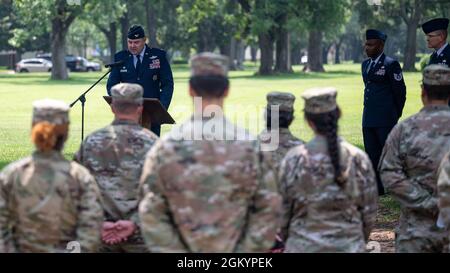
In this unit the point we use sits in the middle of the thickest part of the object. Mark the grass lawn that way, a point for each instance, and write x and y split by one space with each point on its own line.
245 106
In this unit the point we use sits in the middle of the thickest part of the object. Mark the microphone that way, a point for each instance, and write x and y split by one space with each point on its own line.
119 63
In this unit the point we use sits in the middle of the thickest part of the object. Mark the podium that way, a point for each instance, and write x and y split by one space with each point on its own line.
153 112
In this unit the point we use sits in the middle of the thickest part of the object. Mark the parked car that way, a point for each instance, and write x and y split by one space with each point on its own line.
34 65
92 66
75 63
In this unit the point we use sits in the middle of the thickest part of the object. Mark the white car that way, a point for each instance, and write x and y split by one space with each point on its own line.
34 65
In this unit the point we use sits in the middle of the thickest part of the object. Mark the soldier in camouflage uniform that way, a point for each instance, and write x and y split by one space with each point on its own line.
286 141
444 195
115 155
208 194
410 161
328 186
285 103
46 202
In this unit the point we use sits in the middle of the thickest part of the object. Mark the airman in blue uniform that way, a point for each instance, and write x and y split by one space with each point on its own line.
145 66
384 97
436 32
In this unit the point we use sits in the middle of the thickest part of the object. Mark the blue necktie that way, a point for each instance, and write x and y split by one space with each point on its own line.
138 64
370 66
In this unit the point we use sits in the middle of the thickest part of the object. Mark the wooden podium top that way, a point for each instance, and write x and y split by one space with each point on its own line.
154 109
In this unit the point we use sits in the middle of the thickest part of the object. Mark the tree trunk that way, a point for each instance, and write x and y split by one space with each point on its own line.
283 44
266 47
314 52
410 47
124 26
283 53
356 51
253 53
58 40
337 56
240 55
151 24
112 39
325 50
296 54
412 21
232 56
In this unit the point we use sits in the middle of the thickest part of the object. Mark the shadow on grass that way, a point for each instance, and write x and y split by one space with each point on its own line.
3 164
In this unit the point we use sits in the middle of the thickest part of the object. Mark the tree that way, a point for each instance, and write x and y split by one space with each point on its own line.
105 15
321 17
283 50
212 24
59 15
150 14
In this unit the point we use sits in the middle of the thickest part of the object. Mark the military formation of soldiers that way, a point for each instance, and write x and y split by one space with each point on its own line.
129 191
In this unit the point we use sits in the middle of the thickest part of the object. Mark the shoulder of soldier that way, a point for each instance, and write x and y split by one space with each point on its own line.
297 151
148 134
98 134
446 51
157 51
389 61
354 151
80 172
16 166
121 54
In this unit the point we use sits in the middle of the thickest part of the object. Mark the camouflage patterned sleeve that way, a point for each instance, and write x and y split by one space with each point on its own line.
90 212
5 229
407 191
287 175
156 223
444 190
369 193
264 215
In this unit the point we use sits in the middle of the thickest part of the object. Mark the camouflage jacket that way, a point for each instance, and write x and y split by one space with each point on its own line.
409 164
286 141
115 155
47 202
319 215
444 191
207 195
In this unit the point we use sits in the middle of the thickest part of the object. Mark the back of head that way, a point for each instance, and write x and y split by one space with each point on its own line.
209 74
321 110
50 124
436 82
285 103
126 97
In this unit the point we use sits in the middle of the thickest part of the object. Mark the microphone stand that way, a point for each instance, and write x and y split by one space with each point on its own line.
82 99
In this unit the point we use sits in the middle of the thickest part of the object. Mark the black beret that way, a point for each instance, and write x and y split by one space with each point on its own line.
375 34
136 32
435 24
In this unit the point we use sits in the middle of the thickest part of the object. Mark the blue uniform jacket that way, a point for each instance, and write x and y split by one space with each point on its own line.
443 58
155 75
384 93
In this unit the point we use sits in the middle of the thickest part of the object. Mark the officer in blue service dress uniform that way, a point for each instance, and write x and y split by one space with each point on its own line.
384 97
145 66
436 32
